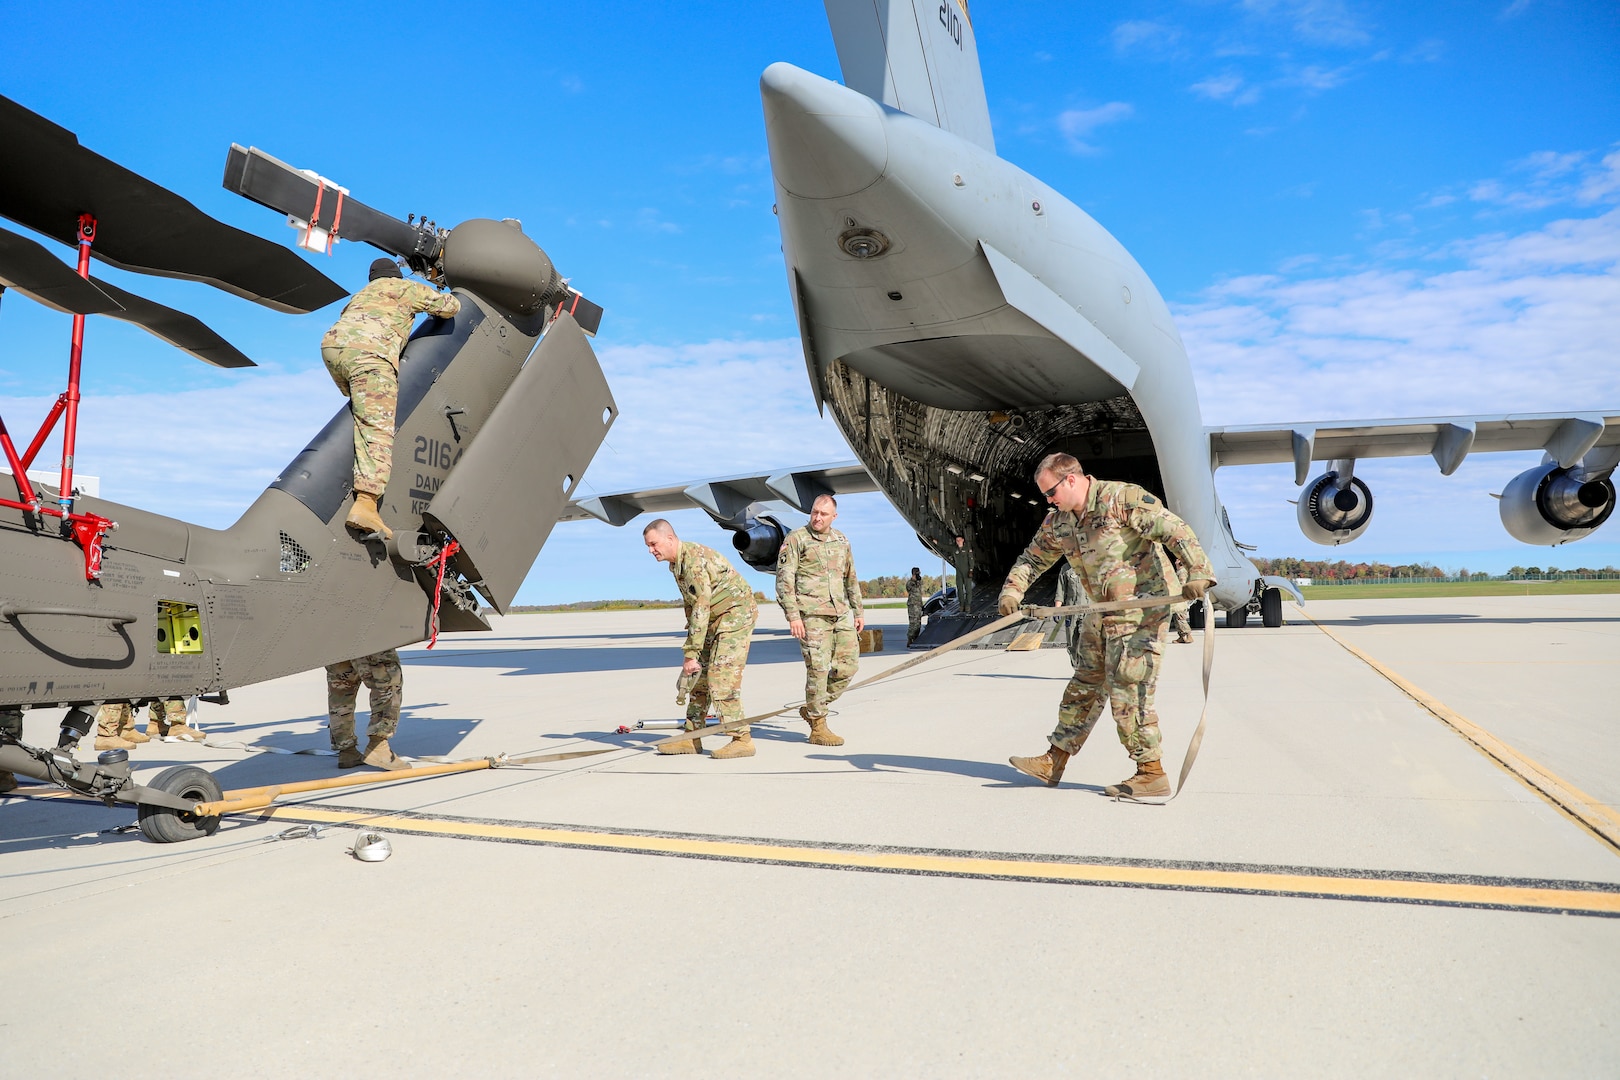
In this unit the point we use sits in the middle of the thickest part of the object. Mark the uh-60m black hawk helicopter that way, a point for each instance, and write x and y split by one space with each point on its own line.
500 411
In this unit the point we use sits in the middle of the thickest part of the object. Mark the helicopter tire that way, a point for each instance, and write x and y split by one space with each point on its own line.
163 825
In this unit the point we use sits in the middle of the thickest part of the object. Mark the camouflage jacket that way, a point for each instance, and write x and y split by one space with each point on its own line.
914 595
377 319
815 575
1117 545
710 587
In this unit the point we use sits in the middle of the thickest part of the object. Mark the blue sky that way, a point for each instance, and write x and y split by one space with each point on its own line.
1354 209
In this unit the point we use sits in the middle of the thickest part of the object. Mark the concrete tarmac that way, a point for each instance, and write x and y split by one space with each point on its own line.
1346 888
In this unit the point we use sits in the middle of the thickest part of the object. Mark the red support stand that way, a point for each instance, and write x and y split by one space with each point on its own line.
70 425
89 530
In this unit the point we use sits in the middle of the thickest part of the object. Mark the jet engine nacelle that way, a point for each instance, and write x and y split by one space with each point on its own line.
1334 511
1549 505
759 541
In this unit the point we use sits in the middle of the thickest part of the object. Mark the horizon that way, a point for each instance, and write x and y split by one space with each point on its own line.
1329 250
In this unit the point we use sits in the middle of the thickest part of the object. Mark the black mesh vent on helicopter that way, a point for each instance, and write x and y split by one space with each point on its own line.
294 559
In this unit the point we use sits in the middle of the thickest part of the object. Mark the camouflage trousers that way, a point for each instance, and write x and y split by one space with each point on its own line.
832 654
1121 671
1179 623
913 622
111 719
382 676
718 689
161 718
372 386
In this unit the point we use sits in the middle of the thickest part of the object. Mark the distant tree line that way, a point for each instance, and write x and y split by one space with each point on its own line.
892 585
1322 570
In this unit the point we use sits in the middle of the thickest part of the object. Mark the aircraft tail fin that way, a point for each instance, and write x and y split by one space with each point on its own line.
918 56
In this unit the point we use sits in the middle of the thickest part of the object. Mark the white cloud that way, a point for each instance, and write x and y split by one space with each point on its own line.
1323 22
1551 178
1078 124
1145 34
1525 323
199 455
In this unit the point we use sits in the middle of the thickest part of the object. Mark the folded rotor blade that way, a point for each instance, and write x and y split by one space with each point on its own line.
37 274
49 180
33 271
185 332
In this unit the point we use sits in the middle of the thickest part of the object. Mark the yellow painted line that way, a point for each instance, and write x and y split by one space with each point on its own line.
1526 897
1585 810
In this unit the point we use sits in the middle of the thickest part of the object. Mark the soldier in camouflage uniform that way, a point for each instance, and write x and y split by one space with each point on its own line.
1115 536
914 605
383 677
720 616
10 725
115 725
362 353
168 719
819 593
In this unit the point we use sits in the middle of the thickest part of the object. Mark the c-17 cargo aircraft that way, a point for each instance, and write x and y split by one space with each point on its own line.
961 320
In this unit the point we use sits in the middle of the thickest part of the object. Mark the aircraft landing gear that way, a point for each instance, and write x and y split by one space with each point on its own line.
166 825
1271 613
1195 616
1237 617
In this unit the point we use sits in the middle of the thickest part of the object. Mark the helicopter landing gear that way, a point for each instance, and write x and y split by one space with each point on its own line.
166 825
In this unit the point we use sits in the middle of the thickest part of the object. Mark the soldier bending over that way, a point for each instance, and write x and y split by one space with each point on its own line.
720 615
1114 535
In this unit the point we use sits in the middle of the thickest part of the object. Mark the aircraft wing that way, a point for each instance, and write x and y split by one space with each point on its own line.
724 498
1567 437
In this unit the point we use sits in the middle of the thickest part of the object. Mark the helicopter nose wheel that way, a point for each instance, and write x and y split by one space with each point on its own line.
164 825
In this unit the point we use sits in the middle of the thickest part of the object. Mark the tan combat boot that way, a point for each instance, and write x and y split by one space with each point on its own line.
184 733
1048 768
113 742
127 732
8 782
741 745
350 757
1149 780
363 516
379 755
686 746
1184 638
820 734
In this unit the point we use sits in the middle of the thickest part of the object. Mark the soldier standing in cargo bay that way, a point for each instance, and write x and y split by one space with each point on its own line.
361 352
914 605
819 593
1115 536
720 616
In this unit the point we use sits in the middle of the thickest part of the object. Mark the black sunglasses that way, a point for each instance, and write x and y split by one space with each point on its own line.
1049 492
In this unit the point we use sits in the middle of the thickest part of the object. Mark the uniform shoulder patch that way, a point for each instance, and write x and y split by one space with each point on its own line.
1148 500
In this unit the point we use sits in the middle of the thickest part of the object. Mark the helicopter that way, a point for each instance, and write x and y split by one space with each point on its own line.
500 410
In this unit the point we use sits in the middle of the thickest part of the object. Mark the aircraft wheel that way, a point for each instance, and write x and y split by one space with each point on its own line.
1195 615
1271 607
1236 617
163 825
